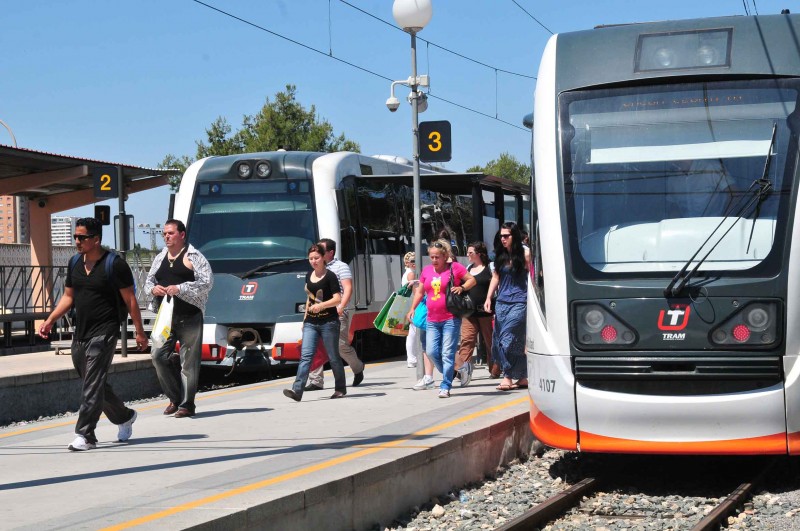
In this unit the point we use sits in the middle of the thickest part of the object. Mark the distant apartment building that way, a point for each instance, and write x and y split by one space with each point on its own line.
61 229
14 219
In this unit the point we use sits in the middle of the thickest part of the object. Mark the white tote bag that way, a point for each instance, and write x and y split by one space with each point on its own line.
162 327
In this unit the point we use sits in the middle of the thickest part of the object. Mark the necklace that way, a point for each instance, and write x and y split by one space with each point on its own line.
172 260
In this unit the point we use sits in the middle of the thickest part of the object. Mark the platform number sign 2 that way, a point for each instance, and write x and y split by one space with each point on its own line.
106 184
435 143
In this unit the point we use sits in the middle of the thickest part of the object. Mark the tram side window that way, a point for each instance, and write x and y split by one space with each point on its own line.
452 213
379 219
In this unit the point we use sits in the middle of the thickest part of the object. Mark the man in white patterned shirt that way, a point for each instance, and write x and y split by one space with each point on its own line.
316 377
182 272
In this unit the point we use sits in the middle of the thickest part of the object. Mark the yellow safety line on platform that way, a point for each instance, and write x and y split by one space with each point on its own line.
205 396
307 470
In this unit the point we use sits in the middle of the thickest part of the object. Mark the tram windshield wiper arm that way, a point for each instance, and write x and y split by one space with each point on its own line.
269 265
760 187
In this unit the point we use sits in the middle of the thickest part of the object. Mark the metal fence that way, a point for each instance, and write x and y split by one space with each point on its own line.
36 289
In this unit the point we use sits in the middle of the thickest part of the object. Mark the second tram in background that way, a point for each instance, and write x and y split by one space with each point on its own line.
664 303
255 215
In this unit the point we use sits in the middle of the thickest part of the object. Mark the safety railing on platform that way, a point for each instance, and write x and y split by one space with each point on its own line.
36 289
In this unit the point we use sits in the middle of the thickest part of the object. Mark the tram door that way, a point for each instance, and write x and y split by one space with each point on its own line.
369 239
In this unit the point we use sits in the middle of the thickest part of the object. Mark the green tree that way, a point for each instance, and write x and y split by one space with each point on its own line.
280 124
506 166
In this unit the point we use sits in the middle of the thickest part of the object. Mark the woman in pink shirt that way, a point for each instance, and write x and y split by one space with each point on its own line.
444 329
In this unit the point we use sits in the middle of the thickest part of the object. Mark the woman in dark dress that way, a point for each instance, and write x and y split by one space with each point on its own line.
321 323
510 279
481 320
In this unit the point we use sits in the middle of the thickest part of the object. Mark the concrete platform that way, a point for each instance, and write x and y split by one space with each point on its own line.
254 459
44 383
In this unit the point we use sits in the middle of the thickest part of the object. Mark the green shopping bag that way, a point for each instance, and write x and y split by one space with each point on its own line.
391 319
380 320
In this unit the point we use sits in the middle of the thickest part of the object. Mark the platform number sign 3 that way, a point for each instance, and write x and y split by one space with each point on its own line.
106 184
435 143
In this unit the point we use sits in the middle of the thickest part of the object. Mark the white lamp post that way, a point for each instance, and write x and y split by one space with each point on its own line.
412 16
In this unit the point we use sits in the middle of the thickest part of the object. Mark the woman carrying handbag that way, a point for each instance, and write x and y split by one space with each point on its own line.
443 328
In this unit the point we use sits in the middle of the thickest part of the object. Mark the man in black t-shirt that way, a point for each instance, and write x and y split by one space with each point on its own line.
97 329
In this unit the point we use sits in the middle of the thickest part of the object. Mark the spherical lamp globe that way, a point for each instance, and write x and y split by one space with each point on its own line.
412 14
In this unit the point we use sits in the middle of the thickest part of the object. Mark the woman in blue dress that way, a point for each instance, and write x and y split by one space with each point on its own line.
510 280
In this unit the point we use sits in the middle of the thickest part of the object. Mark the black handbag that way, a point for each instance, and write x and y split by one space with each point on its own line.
459 305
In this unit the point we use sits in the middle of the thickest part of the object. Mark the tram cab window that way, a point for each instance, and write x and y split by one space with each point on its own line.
238 226
651 171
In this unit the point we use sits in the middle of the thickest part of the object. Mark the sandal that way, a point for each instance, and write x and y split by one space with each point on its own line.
505 386
520 385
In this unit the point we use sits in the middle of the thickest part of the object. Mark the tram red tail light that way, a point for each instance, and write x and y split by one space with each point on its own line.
596 326
286 351
608 333
756 324
741 333
212 352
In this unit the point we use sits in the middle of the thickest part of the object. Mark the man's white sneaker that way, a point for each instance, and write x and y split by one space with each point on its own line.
444 393
466 374
412 364
80 444
126 429
424 383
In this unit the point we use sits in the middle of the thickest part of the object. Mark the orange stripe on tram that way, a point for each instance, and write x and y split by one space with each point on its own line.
767 444
550 432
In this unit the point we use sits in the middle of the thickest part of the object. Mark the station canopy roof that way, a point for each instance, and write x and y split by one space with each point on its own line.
37 174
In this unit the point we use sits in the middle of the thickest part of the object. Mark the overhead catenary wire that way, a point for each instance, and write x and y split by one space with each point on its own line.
343 61
534 18
746 7
345 2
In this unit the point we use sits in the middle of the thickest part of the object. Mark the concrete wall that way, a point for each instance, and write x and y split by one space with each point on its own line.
373 498
27 396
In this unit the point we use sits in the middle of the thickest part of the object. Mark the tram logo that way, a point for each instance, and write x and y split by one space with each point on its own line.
248 291
676 318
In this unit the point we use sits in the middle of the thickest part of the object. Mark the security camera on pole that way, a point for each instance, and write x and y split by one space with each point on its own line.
412 16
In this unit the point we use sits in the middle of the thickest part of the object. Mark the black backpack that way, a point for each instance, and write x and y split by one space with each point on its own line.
110 257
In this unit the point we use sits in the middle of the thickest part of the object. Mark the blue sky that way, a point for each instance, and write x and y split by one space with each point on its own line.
130 82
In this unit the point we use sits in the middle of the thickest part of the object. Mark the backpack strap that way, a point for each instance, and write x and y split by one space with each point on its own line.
73 261
109 266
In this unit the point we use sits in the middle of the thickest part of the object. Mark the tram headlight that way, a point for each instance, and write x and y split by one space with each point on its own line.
683 49
706 55
757 318
753 325
263 169
594 320
597 327
244 170
664 57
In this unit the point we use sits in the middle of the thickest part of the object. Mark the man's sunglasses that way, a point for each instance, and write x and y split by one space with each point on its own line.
81 237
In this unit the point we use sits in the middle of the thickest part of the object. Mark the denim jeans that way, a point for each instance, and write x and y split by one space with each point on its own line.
441 344
313 333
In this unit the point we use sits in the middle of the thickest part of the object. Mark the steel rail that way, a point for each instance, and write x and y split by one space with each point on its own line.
552 507
736 498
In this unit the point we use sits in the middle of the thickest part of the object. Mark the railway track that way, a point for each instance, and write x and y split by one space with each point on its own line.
578 498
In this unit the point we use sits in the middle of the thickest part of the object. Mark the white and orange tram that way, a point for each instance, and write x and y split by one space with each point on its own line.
664 305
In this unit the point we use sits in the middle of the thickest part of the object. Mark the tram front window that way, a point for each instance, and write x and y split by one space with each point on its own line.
649 172
241 225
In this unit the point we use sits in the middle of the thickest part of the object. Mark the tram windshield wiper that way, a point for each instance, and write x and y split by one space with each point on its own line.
269 265
760 190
